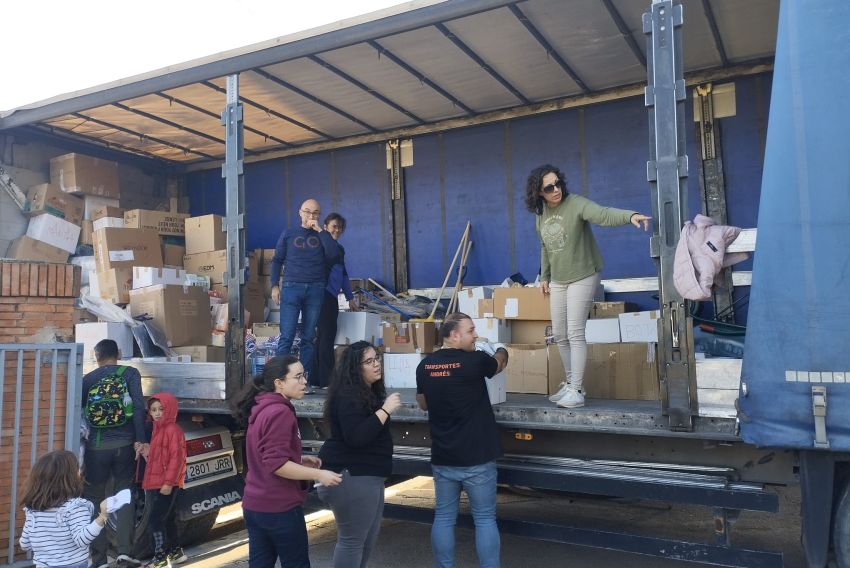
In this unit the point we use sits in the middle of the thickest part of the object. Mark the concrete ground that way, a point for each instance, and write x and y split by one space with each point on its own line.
407 544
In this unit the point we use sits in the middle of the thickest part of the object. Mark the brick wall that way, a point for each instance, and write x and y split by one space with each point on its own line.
36 306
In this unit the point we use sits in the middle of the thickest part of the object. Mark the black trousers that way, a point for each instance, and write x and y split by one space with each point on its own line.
326 333
161 522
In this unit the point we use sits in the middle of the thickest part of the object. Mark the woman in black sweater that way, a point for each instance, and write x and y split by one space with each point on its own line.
361 449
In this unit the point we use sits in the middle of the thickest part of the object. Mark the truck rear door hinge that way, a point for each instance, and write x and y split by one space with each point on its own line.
819 412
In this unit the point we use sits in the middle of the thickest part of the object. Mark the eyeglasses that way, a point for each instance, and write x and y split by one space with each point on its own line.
551 187
372 361
299 377
311 213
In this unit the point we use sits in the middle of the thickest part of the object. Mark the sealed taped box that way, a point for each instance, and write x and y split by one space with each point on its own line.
78 173
48 198
90 334
467 300
639 327
162 222
528 369
92 203
521 303
182 313
622 371
610 309
172 255
419 337
204 234
357 326
531 331
28 248
54 231
153 275
493 330
126 248
106 222
115 284
400 370
107 211
212 264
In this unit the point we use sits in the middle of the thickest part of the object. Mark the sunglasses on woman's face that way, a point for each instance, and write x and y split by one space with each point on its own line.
551 187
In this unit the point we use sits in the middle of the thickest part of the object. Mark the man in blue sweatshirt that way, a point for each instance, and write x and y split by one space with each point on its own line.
306 254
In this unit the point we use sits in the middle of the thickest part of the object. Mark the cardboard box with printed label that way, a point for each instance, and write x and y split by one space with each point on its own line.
78 173
493 330
521 303
420 337
182 313
610 309
153 275
605 330
204 234
125 248
92 203
162 222
467 300
90 334
48 198
107 222
54 231
528 369
400 370
202 353
639 327
115 284
212 264
357 326
531 331
172 255
27 248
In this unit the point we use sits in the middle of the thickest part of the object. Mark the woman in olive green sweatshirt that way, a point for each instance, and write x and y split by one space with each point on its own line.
570 264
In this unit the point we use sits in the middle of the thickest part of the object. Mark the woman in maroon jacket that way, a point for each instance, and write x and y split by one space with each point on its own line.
275 486
164 475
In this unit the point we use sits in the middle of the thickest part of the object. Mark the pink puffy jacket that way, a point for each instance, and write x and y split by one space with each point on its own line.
701 255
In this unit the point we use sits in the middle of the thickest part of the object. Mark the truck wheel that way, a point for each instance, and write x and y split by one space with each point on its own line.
841 529
195 530
188 532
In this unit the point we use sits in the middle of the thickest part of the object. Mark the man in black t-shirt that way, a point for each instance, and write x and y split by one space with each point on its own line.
450 385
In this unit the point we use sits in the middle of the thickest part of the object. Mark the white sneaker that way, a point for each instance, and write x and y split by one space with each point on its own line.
571 399
561 392
127 559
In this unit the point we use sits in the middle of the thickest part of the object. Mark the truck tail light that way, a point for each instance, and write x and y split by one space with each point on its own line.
203 445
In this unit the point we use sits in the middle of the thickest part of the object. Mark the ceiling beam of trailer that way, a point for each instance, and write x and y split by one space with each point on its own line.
423 67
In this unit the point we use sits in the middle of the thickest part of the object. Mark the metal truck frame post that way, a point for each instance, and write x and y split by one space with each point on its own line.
666 171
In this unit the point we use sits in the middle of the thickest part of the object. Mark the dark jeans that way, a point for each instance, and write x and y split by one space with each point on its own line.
304 299
119 464
161 522
277 536
325 341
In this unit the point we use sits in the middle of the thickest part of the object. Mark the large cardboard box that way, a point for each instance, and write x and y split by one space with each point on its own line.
78 173
622 371
107 222
605 330
87 232
204 234
115 284
356 326
125 248
162 222
641 327
531 331
172 255
212 264
48 198
91 203
182 313
55 232
493 330
400 370
610 309
90 334
467 300
202 353
153 275
107 211
420 337
528 369
254 301
521 303
27 248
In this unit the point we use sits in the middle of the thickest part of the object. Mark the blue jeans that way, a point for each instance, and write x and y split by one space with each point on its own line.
479 482
277 536
305 299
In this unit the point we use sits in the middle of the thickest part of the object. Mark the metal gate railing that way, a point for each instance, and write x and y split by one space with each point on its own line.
40 392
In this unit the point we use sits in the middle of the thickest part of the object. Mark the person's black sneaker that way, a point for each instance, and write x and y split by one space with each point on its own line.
159 560
125 560
177 556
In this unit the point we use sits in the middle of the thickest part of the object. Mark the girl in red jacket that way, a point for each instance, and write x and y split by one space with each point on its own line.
164 475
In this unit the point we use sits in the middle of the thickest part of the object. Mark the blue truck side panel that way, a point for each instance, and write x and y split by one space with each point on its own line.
479 174
798 337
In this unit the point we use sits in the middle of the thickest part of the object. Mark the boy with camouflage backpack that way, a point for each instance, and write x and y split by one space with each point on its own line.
114 408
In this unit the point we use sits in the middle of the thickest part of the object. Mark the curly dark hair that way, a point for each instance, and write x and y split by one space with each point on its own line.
348 380
275 368
533 199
